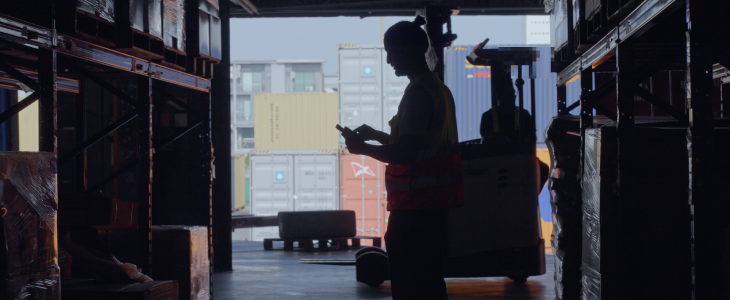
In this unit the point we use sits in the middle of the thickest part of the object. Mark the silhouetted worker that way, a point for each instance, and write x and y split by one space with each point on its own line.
499 124
423 177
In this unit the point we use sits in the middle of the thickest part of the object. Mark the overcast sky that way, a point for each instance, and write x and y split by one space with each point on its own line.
317 38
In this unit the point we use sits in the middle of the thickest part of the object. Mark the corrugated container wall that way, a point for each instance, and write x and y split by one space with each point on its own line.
239 181
363 191
471 87
292 181
369 90
316 181
296 121
272 189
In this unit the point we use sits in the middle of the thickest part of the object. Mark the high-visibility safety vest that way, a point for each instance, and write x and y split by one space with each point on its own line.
435 179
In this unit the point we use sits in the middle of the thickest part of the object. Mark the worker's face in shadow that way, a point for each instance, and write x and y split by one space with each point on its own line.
404 60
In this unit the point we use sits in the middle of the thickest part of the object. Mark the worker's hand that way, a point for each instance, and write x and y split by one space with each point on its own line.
354 142
367 133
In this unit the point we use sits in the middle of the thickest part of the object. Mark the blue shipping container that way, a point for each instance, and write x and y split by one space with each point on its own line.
471 88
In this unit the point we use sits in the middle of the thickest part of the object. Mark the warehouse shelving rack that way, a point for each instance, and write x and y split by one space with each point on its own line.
38 59
687 35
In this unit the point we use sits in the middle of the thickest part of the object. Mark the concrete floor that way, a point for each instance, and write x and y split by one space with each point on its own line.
259 274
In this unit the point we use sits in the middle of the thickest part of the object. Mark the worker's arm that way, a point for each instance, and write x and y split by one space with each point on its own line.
367 133
415 114
404 152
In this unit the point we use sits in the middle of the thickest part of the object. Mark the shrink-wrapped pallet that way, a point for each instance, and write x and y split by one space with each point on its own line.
28 206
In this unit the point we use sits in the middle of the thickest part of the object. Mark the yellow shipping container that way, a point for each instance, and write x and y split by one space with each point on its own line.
296 121
28 130
239 186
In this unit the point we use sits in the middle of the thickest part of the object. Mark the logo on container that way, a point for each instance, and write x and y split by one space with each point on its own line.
478 74
279 177
360 169
367 70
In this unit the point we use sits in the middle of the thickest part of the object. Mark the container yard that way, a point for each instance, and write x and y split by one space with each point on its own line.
139 161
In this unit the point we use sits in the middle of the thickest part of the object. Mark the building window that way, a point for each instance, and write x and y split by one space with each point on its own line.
304 82
244 138
243 109
252 81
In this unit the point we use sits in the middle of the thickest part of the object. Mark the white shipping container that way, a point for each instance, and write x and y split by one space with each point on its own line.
272 183
369 90
272 189
316 182
292 181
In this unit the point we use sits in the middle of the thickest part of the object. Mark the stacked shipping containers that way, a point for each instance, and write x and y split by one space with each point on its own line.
295 164
369 90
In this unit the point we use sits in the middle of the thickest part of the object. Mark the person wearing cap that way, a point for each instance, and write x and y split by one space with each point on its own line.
506 123
423 177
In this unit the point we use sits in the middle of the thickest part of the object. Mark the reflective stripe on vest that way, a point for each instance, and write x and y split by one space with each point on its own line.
435 180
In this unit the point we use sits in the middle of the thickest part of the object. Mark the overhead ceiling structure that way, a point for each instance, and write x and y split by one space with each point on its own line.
373 8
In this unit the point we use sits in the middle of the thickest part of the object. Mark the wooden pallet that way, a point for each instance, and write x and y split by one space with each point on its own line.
324 244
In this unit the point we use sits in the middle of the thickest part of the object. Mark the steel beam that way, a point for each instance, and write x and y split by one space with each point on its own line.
144 177
572 107
596 95
47 101
664 106
532 90
32 84
206 170
174 99
221 127
80 130
709 214
114 175
181 134
562 101
605 111
98 136
521 94
586 109
13 110
105 85
625 140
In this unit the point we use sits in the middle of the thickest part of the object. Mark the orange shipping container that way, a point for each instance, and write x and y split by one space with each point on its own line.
363 191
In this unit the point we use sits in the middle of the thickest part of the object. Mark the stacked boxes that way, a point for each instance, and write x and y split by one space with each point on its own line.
174 24
181 253
641 244
295 164
302 180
